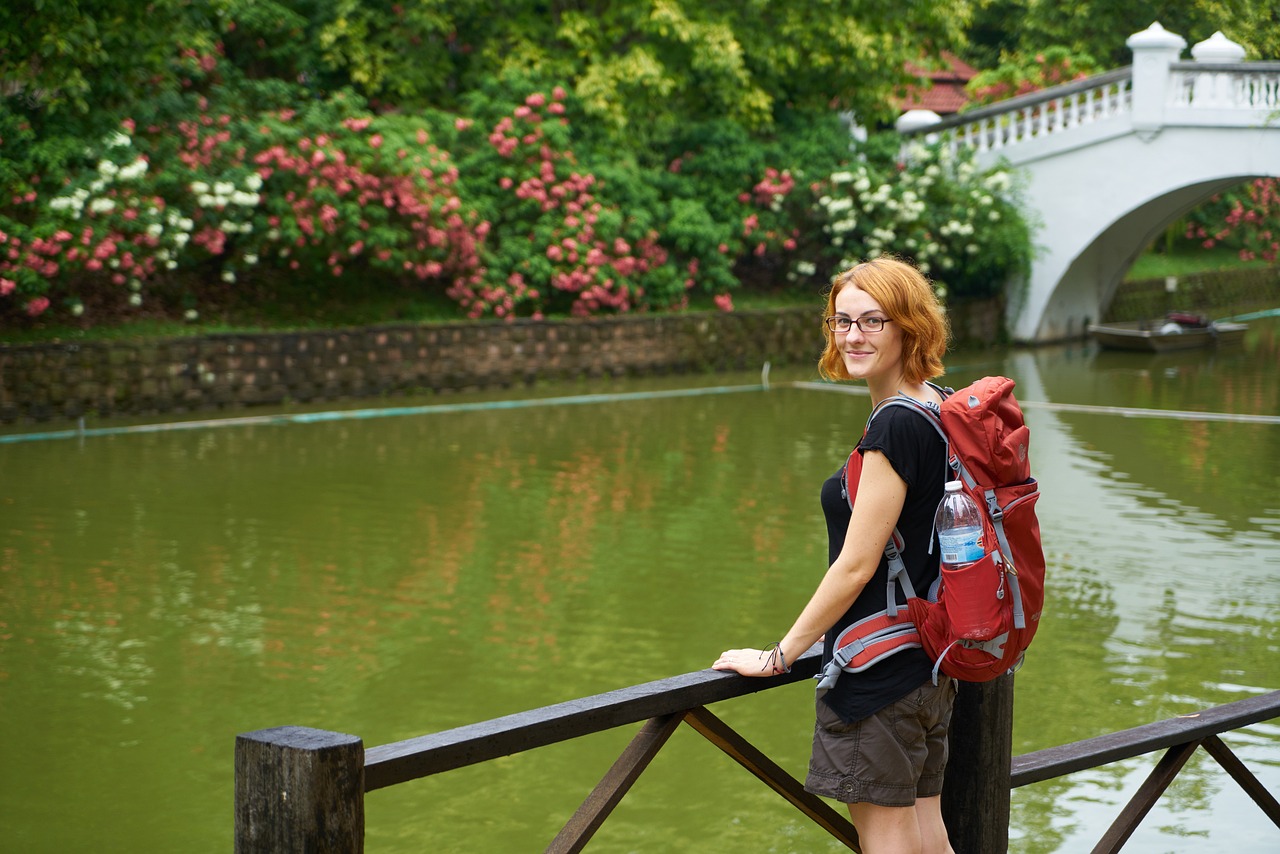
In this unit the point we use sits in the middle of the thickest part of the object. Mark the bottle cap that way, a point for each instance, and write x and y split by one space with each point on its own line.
954 486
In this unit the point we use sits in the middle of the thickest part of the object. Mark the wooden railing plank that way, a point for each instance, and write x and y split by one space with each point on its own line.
574 836
1145 798
771 774
1148 738
401 761
1242 775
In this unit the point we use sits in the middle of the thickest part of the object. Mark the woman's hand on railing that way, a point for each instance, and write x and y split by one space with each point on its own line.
750 662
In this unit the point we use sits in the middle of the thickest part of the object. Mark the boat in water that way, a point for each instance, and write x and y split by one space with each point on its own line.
1175 331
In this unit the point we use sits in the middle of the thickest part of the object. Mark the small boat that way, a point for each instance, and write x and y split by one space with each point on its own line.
1176 331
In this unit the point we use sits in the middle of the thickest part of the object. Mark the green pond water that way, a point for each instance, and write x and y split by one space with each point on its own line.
389 577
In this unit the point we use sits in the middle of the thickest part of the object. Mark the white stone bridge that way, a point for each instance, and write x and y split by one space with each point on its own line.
1110 161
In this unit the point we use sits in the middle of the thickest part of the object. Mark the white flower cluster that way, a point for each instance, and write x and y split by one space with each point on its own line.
108 173
225 193
233 204
937 210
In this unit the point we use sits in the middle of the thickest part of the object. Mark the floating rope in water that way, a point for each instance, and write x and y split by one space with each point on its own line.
356 414
1124 411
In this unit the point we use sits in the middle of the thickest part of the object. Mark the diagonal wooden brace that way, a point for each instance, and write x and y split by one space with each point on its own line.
1242 775
1145 798
614 785
772 775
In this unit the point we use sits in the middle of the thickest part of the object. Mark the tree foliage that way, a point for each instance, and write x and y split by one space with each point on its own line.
643 69
1099 28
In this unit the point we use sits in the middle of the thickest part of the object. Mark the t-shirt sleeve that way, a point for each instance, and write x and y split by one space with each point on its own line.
897 433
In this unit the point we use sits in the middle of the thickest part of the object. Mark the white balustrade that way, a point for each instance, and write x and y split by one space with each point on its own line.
1043 116
1246 86
1217 80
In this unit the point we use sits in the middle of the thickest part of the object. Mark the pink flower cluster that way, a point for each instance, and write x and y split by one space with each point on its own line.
1254 227
114 242
775 187
768 194
561 218
322 200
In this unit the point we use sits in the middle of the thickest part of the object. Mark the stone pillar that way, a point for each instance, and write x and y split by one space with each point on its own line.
1154 49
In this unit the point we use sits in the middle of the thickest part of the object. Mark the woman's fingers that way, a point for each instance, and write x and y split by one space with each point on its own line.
748 662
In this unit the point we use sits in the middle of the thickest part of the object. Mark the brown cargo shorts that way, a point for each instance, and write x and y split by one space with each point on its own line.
891 758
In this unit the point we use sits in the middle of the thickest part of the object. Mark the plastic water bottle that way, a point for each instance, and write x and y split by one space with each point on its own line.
959 525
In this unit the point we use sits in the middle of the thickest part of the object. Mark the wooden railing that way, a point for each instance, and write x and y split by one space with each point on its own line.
1178 737
300 789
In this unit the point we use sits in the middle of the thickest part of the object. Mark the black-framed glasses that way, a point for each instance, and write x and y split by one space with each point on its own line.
868 325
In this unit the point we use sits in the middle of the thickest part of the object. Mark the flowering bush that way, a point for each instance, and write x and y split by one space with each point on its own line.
960 225
197 201
558 242
1246 219
509 211
742 208
348 193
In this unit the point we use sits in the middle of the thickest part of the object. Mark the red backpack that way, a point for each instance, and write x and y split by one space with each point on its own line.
979 620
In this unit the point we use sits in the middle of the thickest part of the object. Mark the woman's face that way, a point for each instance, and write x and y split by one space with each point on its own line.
875 357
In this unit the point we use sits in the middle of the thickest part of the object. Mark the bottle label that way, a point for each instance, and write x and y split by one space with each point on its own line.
961 545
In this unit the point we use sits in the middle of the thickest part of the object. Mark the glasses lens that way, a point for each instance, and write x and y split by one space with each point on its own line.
839 324
870 324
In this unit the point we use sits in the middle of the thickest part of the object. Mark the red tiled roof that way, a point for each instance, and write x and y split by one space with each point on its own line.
947 94
943 99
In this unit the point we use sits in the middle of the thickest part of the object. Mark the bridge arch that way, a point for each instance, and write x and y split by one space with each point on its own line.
1099 211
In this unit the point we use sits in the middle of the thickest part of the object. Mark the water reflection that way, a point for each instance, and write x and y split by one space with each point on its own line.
390 577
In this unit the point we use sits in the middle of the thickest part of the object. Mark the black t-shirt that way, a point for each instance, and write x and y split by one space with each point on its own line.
918 454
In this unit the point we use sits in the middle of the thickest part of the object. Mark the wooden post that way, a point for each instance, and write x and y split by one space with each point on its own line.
299 789
976 792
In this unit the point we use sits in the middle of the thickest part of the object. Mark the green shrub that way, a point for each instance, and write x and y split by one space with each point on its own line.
961 225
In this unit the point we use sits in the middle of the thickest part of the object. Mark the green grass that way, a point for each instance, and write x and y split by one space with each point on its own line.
1183 262
284 307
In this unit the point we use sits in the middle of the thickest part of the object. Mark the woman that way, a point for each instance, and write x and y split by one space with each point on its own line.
880 742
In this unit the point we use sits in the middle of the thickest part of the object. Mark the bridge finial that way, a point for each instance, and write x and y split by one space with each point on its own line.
1155 37
1217 48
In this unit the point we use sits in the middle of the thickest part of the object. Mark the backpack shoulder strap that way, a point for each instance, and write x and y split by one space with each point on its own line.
893 549
932 412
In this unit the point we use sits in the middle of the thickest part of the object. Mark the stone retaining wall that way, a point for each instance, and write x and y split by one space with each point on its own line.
57 381
61 381
1213 294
